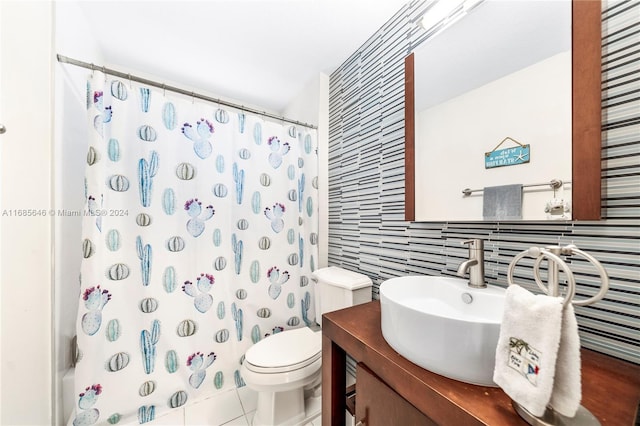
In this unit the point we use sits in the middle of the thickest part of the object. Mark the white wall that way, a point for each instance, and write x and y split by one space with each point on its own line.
26 108
458 133
312 106
72 38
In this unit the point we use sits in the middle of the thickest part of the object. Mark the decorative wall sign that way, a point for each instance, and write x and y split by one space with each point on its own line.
507 156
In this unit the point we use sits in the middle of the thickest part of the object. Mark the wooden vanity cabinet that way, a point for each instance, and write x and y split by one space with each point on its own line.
393 391
379 405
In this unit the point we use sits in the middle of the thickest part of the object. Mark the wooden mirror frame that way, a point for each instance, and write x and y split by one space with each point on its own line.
586 41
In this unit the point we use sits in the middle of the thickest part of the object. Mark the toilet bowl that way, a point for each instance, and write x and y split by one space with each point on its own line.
280 370
285 368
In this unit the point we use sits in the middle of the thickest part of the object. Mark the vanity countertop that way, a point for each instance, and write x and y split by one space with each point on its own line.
610 387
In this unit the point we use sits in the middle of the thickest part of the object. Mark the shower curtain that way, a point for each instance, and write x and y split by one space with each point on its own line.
199 239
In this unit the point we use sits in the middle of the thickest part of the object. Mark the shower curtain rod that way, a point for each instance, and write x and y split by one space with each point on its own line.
66 60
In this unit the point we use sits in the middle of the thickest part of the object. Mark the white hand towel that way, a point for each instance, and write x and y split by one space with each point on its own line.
567 386
528 347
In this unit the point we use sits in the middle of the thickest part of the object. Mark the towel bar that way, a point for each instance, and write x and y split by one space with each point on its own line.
554 184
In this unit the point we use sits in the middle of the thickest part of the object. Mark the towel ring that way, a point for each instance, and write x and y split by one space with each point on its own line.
571 284
539 254
604 287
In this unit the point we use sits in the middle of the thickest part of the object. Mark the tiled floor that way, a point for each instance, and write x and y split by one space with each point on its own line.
232 408
235 407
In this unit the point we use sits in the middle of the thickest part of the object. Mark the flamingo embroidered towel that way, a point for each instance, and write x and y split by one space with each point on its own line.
538 353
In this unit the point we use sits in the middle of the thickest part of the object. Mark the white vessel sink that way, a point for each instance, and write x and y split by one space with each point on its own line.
426 320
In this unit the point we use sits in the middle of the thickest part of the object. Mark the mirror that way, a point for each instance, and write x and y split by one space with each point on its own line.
463 100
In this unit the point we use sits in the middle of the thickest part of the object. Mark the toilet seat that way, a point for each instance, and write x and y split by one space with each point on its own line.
285 352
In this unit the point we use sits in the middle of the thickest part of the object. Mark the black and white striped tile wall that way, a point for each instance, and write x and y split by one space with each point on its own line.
367 231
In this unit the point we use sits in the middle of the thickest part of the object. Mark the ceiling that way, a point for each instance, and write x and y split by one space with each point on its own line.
261 53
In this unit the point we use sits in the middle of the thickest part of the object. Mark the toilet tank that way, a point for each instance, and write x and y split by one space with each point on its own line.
338 288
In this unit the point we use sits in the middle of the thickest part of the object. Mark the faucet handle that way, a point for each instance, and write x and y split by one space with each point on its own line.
475 244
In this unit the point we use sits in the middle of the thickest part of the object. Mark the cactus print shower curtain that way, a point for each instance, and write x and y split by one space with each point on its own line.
199 239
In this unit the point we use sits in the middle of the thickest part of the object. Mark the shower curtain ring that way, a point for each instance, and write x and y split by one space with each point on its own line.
193 97
92 69
164 91
130 81
104 71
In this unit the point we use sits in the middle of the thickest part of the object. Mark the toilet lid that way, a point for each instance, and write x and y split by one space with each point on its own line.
292 349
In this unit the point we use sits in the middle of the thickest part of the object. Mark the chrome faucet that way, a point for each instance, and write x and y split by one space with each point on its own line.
475 264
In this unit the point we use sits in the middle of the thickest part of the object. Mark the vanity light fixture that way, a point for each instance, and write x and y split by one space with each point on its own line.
444 13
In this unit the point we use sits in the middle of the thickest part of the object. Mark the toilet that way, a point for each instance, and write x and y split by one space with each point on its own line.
285 368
